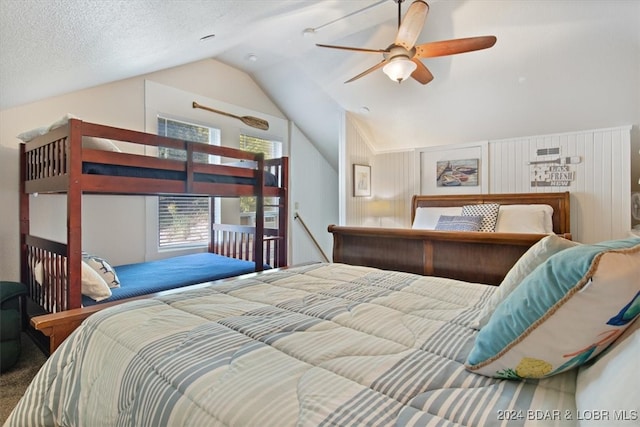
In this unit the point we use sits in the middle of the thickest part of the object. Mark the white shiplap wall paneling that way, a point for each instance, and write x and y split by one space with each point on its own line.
600 202
393 181
357 151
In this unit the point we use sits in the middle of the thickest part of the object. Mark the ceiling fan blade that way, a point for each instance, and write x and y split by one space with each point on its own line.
370 70
421 73
412 24
452 47
355 49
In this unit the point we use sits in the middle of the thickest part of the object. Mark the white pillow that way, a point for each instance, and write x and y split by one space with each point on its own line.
33 133
93 285
427 218
103 144
103 268
62 121
609 384
525 219
91 142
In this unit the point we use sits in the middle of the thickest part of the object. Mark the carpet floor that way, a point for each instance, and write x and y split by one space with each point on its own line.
14 382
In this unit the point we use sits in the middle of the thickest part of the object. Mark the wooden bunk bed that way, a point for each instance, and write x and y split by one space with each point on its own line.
470 256
59 163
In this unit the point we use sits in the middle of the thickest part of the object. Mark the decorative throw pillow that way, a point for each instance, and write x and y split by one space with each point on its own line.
93 285
459 223
103 268
535 255
488 211
563 314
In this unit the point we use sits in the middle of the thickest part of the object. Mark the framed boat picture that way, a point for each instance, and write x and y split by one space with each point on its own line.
457 173
361 180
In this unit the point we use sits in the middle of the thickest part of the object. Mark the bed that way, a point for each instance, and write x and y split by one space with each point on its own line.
424 250
75 157
334 344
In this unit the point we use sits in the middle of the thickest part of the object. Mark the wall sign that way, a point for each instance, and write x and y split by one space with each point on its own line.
556 172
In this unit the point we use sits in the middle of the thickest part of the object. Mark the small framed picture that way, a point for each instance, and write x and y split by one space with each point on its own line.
361 180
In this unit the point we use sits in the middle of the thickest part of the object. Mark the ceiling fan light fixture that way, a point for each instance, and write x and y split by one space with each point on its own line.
399 68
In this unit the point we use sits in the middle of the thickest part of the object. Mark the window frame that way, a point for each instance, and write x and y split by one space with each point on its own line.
176 104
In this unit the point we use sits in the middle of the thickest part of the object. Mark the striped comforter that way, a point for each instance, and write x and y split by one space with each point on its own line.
318 345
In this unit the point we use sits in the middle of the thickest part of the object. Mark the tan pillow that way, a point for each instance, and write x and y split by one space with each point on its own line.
93 285
536 255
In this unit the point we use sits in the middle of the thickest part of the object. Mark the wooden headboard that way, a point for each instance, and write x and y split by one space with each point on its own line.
559 201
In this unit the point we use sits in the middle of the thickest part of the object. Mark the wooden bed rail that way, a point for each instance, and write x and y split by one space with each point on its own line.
49 161
470 256
237 241
44 273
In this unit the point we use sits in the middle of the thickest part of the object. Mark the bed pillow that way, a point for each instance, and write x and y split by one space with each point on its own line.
525 219
427 218
533 257
62 121
459 223
96 143
33 133
93 285
91 142
563 314
607 384
103 268
489 212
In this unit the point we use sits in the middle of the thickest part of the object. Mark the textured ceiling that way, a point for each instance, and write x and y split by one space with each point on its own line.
551 61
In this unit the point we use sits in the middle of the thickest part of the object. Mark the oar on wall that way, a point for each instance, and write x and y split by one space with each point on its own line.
254 122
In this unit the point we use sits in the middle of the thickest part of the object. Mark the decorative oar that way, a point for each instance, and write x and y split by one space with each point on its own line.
254 122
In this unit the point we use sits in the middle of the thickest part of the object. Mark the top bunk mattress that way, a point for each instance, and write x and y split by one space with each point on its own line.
270 180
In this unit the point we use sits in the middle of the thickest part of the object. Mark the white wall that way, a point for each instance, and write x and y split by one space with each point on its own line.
113 226
314 196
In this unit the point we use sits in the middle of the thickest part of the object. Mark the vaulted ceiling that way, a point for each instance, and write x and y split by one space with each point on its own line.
553 68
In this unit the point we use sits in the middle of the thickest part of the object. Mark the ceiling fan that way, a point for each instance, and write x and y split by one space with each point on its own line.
401 59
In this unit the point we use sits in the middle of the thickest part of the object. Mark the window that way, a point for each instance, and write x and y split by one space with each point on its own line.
271 150
183 221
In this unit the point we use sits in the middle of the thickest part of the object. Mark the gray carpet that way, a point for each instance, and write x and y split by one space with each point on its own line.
14 382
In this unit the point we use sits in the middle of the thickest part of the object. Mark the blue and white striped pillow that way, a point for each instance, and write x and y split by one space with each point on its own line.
459 223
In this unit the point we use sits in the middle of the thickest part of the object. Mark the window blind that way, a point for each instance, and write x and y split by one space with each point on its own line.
183 221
